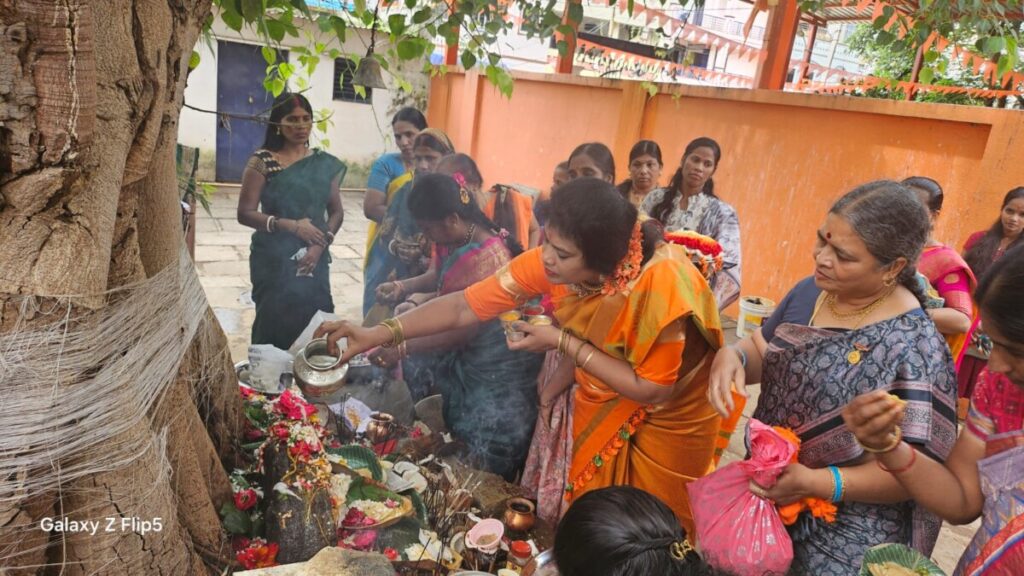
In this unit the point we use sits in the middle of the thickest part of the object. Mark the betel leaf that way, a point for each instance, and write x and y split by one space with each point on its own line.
409 48
360 458
269 54
396 24
422 15
235 521
468 59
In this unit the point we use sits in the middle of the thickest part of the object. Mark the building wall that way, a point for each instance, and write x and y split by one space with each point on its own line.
786 156
357 134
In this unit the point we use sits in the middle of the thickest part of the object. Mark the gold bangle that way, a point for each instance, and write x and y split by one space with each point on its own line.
897 437
563 338
394 325
587 359
576 356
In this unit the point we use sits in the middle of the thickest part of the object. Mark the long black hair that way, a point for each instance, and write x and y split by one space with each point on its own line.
979 257
410 115
932 190
623 531
641 148
435 196
675 186
601 156
282 106
998 294
504 216
893 224
592 213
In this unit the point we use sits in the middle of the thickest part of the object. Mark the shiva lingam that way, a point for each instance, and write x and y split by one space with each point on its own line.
380 427
520 514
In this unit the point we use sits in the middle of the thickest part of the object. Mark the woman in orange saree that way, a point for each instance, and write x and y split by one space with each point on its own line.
639 322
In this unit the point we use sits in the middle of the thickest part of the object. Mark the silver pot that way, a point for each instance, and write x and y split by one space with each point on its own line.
319 374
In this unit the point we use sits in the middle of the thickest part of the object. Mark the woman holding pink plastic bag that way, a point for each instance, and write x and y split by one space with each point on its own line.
856 326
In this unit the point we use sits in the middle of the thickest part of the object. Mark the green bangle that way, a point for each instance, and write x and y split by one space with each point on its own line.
742 354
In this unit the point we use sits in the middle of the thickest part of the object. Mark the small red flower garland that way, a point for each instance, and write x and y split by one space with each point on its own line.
610 450
704 251
629 268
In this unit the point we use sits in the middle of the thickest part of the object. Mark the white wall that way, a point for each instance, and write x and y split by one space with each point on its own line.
358 132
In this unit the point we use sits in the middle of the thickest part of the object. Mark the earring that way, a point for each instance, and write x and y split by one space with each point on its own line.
890 282
278 130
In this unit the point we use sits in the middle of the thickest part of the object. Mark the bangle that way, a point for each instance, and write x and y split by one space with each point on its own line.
587 359
403 349
394 325
270 224
400 289
897 437
563 343
330 237
576 356
742 355
913 459
838 484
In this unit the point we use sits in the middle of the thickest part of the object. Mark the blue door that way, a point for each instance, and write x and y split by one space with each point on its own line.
240 94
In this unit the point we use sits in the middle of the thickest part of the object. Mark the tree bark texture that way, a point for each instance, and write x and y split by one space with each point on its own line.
90 92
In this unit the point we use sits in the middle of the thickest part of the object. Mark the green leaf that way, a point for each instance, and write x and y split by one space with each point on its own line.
493 59
269 54
396 24
277 86
494 26
422 15
300 5
363 490
235 521
409 48
232 18
360 6
563 47
417 504
360 458
410 4
925 76
884 38
468 59
275 30
1005 65
193 61
994 44
286 69
931 56
252 10
576 11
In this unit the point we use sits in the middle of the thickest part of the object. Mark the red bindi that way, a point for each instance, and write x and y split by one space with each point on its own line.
828 235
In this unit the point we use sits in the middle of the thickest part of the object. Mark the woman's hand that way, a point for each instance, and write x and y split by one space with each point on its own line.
537 339
359 339
308 262
389 292
404 307
385 357
306 231
873 418
796 483
727 373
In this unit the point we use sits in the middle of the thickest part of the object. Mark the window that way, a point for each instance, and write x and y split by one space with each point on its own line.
344 70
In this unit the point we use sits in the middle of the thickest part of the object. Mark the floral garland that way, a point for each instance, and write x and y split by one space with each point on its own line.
704 251
818 507
609 451
630 266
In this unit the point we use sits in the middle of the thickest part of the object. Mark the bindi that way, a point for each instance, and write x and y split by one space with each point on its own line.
828 235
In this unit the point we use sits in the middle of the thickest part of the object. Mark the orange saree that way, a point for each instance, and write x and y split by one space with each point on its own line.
517 212
666 325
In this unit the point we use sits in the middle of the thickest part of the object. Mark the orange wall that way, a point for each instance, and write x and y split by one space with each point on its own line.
786 157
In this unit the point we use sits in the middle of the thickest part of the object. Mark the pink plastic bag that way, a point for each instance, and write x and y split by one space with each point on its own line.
737 531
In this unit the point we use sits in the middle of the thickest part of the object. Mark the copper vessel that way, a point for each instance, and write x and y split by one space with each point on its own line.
520 514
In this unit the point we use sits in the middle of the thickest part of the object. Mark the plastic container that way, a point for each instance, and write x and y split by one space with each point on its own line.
753 311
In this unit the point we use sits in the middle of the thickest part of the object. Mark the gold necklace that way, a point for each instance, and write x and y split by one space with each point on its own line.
854 356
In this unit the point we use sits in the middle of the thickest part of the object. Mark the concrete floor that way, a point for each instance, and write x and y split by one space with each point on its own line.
222 256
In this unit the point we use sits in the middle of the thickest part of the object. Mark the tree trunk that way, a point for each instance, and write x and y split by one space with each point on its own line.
90 92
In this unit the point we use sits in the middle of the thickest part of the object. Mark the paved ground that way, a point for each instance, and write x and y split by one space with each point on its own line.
222 256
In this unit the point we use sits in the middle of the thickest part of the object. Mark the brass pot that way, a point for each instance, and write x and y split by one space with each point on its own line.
520 514
380 427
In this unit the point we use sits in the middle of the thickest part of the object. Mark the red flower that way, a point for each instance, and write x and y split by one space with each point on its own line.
355 517
246 391
259 554
416 433
364 540
253 433
239 543
293 407
245 499
301 450
391 553
281 431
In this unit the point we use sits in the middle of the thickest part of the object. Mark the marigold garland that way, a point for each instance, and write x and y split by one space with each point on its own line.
818 507
629 268
609 451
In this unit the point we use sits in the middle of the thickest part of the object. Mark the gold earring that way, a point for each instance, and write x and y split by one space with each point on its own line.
890 282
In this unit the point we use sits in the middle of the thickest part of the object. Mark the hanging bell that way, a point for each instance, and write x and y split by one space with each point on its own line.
368 74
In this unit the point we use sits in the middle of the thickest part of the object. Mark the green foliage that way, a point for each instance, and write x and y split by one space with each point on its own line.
892 40
409 26
894 60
